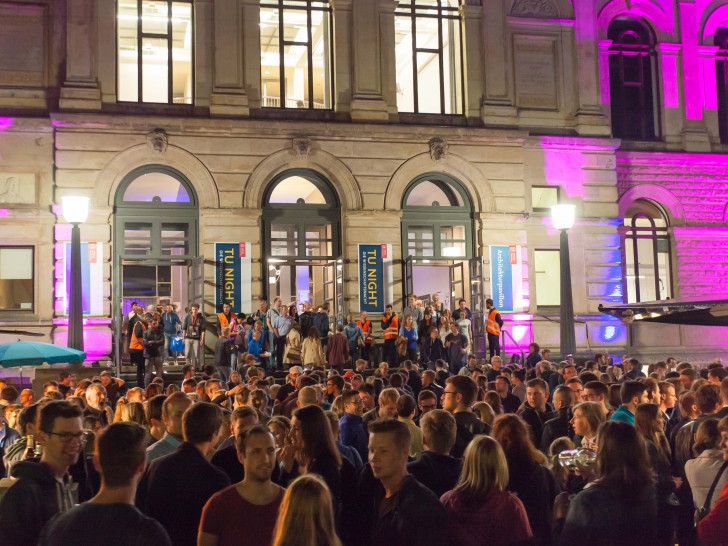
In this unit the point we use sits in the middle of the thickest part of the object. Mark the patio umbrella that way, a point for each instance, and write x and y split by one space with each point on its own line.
33 353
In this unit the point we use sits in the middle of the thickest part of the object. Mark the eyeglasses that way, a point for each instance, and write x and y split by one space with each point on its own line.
68 437
428 406
358 402
449 392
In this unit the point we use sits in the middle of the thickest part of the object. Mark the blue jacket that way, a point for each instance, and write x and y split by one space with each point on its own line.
256 347
172 323
353 433
352 332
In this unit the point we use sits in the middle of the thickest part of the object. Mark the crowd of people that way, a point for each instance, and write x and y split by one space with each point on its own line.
279 335
544 453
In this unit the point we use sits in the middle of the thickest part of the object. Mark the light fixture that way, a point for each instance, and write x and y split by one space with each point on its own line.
563 216
75 208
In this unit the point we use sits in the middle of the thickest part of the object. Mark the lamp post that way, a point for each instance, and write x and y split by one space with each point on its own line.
75 211
563 218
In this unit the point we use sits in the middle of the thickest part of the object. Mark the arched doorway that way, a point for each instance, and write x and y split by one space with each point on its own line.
155 244
302 241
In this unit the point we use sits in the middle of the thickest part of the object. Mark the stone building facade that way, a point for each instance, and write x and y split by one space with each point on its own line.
531 112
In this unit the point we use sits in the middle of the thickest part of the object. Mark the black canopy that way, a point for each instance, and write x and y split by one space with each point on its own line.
702 311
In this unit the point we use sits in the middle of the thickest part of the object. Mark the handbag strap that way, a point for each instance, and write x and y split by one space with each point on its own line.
709 498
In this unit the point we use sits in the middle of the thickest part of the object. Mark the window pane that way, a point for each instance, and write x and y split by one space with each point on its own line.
182 53
646 277
174 239
403 56
156 187
155 70
428 83
270 57
137 238
663 267
128 73
295 188
452 241
548 277
296 63
430 192
420 241
16 279
544 198
426 36
452 61
154 17
284 240
629 272
321 35
140 281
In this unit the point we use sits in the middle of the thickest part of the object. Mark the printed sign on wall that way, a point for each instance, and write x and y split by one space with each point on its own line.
233 277
375 277
506 278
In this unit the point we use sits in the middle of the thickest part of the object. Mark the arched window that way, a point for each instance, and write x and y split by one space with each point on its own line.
647 256
296 54
428 55
721 76
632 71
301 217
436 219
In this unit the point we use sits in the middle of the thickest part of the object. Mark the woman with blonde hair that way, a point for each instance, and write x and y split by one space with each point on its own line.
133 412
586 419
485 412
306 515
119 407
479 504
312 353
561 473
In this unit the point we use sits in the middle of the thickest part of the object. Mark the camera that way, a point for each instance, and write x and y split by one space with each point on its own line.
574 458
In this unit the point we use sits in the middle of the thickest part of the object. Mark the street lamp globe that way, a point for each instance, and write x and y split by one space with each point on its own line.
75 208
563 216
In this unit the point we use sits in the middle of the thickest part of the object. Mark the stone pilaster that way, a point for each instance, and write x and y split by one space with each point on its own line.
228 89
80 89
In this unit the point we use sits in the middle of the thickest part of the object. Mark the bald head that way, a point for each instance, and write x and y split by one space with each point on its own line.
307 397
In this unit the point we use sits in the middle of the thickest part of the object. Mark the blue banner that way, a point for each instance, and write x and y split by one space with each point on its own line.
371 277
228 276
501 277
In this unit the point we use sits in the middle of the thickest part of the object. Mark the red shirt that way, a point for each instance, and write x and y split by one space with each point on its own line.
713 528
236 522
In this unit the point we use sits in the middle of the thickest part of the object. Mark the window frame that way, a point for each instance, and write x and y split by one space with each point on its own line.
437 218
302 215
649 107
170 62
545 187
30 311
301 5
410 9
654 234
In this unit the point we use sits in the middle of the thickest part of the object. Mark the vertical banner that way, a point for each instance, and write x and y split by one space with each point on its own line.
92 278
375 270
233 277
506 278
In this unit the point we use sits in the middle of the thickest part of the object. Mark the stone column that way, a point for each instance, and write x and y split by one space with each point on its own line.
342 13
695 132
228 88
498 106
604 86
367 102
710 90
590 118
251 51
203 50
474 76
80 89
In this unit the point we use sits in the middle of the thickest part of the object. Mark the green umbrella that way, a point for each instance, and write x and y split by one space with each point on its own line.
33 353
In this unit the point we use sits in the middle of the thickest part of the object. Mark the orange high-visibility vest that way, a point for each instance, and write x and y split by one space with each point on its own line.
365 328
393 331
492 326
137 342
223 321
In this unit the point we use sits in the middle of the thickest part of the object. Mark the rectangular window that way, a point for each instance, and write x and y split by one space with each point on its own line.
296 54
155 47
548 278
16 278
544 197
428 53
137 238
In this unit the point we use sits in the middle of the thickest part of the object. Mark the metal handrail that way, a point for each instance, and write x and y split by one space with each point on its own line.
503 348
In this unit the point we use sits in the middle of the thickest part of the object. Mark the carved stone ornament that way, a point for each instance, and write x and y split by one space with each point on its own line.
302 147
439 149
535 8
157 141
